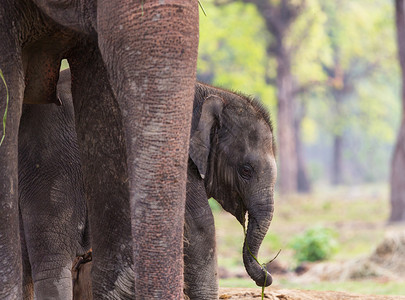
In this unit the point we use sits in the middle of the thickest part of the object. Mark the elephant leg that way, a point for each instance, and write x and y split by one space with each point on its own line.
103 155
51 197
10 253
28 287
150 51
52 238
50 235
200 258
58 281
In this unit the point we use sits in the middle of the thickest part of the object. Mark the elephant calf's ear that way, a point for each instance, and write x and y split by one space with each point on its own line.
200 143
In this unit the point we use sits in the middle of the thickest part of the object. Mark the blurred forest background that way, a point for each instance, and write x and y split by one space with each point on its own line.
329 73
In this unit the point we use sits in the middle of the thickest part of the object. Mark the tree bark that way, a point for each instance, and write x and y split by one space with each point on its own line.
278 18
339 93
397 196
303 182
286 132
337 161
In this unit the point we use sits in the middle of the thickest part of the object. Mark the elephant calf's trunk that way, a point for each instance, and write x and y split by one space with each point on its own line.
254 237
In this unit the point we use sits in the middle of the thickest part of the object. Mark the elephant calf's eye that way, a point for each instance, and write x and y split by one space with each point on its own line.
246 171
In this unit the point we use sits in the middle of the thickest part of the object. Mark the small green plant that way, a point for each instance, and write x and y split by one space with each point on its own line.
315 244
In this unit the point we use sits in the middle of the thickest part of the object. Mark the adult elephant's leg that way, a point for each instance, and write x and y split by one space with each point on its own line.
150 50
200 258
103 155
10 253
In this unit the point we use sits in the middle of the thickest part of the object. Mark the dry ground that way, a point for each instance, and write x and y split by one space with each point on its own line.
369 250
282 294
82 292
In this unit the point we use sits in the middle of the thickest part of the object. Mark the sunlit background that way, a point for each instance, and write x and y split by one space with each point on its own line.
328 72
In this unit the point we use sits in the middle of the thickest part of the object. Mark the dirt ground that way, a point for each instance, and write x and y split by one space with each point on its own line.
274 294
386 261
82 292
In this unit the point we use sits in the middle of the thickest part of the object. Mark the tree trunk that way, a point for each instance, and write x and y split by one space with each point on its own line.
303 182
278 17
337 160
285 126
397 196
339 93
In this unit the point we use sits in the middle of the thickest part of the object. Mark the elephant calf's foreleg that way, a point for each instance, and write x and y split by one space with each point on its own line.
200 259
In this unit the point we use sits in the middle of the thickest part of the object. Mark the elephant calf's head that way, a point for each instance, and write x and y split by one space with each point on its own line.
233 148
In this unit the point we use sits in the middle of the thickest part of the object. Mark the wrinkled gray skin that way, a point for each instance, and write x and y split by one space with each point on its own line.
232 158
145 53
53 213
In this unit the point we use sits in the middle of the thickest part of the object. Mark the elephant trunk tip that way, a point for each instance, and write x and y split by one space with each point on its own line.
259 273
265 280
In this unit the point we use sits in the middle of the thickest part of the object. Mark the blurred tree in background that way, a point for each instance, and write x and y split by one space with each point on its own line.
355 37
398 160
327 70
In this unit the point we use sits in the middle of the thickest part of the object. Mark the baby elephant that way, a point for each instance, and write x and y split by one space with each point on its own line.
231 158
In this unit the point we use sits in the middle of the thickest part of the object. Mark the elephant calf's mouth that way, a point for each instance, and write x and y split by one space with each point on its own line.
241 214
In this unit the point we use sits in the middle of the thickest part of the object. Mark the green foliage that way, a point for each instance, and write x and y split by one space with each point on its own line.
309 38
361 39
356 29
357 213
354 36
215 206
316 243
232 50
64 65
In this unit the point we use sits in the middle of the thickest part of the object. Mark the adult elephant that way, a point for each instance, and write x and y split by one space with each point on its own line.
232 158
148 50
